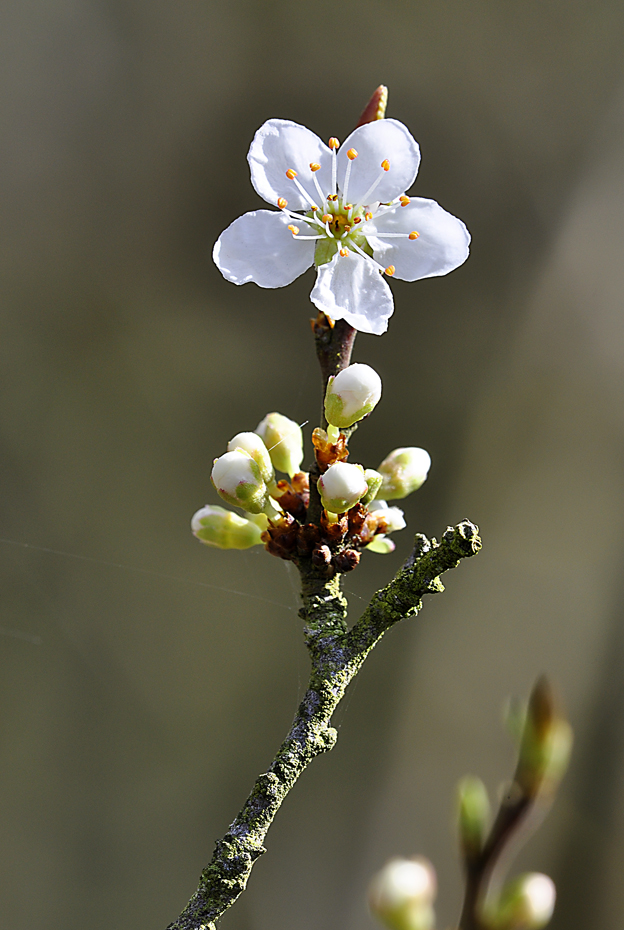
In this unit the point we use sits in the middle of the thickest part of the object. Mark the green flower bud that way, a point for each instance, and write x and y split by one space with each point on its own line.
237 479
374 481
284 441
527 903
404 470
253 445
382 545
401 894
223 529
473 815
351 395
342 486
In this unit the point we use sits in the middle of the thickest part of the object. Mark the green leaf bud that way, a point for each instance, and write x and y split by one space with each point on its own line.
473 815
284 441
404 471
342 486
401 895
351 395
223 529
545 745
237 479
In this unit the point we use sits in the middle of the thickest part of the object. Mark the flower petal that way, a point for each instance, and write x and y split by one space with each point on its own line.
374 142
259 247
441 246
279 145
351 288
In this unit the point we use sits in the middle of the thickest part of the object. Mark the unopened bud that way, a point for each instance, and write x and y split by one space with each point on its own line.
237 479
284 441
223 529
404 470
382 545
545 745
254 446
392 516
401 894
473 815
374 481
527 903
351 395
342 486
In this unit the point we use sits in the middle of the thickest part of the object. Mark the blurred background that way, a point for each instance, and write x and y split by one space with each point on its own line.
146 680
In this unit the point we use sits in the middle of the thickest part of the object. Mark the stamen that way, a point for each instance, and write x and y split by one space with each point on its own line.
333 143
358 219
281 202
314 166
390 270
291 174
300 238
344 252
368 217
294 230
352 154
326 217
413 235
367 257
385 166
403 200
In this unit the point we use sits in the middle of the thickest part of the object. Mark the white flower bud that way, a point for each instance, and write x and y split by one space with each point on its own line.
392 516
223 529
237 479
527 902
351 395
402 893
342 486
254 446
284 441
404 470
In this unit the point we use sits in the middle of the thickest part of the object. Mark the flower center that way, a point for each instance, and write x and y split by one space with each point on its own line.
336 224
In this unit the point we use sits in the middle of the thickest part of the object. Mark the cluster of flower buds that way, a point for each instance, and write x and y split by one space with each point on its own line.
401 895
351 511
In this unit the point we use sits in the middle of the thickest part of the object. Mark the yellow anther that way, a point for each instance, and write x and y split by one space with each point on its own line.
327 217
344 252
358 219
282 202
291 174
368 217
314 166
385 165
347 228
294 230
404 200
390 270
413 235
351 154
333 143
333 197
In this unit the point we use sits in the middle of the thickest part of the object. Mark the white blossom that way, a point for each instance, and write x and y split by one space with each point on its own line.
344 210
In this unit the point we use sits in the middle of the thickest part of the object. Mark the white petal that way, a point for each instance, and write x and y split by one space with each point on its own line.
351 288
279 145
374 142
441 246
259 247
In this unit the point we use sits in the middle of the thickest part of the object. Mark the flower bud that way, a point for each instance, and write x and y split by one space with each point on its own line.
527 903
391 516
284 441
374 481
253 445
342 486
382 545
402 893
404 470
545 745
351 395
237 479
223 529
473 815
